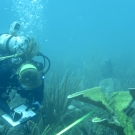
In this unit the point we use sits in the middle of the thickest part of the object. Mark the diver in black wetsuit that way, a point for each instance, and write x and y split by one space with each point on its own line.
28 83
26 76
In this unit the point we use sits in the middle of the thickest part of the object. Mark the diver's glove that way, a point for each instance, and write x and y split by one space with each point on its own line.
35 106
15 116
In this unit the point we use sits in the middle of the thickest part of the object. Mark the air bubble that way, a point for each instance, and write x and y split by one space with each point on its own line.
30 13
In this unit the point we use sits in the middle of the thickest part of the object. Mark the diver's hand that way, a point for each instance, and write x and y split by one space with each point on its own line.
15 116
36 105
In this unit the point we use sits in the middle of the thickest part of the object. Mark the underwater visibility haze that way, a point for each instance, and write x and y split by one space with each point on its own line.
77 30
92 39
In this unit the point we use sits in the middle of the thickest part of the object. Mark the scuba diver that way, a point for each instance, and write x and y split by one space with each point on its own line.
19 71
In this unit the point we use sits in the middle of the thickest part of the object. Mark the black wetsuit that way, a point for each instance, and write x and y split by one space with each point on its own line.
8 81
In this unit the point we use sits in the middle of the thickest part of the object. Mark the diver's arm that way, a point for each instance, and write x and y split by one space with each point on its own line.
39 93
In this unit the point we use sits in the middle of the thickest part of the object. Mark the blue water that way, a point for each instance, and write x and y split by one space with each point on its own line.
77 32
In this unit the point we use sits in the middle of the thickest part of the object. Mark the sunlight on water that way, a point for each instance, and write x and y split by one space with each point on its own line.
30 15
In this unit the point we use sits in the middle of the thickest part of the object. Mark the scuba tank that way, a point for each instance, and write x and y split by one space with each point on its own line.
13 44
